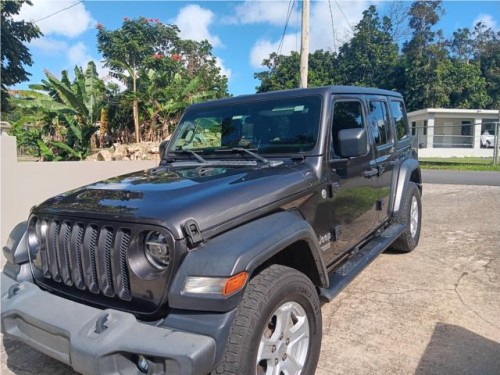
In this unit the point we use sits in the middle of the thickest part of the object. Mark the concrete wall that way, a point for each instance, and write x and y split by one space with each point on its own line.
24 184
455 153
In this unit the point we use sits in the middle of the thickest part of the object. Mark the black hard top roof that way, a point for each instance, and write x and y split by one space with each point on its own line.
323 91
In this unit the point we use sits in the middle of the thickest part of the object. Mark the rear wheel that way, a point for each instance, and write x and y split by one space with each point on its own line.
277 328
411 216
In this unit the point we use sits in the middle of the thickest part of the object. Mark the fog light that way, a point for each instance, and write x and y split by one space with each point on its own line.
142 364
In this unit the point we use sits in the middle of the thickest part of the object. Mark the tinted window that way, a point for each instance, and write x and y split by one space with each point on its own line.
270 126
346 115
400 120
379 122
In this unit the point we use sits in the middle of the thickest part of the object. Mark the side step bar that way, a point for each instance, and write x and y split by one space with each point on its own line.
359 260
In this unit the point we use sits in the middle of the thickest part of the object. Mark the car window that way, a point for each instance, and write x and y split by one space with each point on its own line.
347 114
400 119
269 126
379 122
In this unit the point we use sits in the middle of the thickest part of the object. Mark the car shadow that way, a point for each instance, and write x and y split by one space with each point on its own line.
456 350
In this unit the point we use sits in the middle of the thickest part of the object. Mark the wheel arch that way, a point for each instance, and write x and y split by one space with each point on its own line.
409 171
297 255
281 238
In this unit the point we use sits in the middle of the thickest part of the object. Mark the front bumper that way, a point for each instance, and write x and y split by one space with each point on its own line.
93 343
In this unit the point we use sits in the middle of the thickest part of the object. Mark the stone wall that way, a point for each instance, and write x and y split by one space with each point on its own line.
129 152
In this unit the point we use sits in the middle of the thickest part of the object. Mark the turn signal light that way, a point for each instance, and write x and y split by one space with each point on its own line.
215 285
235 283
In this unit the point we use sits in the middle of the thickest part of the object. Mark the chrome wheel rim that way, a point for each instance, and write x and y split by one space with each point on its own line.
284 343
414 217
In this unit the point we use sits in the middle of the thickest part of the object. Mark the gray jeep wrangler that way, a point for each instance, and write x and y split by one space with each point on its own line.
216 260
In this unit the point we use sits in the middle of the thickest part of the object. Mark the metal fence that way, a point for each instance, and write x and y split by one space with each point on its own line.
465 139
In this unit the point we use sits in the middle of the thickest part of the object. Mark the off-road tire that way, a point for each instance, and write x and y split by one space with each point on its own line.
408 241
266 292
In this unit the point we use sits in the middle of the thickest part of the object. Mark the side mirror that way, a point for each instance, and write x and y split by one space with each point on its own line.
163 148
353 142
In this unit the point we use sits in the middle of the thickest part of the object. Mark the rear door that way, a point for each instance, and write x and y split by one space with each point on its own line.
384 143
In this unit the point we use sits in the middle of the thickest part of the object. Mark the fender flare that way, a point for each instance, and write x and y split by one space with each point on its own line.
403 178
242 249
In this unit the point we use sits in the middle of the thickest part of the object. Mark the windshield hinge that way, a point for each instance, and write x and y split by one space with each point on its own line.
193 232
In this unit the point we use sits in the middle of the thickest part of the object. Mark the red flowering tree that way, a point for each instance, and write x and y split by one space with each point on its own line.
163 72
133 49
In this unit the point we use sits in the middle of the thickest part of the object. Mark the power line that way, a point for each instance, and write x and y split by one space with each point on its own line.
59 11
333 27
342 11
289 13
297 26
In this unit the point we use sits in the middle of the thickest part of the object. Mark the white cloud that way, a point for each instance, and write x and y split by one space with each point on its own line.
263 48
70 22
265 11
194 22
78 55
345 16
48 45
223 69
488 20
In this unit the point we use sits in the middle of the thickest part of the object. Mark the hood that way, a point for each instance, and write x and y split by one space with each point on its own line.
169 196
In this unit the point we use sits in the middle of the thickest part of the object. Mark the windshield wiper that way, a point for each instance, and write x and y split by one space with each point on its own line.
191 152
242 150
260 158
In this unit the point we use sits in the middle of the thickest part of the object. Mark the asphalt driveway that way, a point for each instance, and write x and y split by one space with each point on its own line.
437 176
434 311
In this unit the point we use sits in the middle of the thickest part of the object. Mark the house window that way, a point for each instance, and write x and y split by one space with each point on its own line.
413 128
425 127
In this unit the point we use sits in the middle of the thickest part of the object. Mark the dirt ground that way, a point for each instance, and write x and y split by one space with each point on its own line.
434 311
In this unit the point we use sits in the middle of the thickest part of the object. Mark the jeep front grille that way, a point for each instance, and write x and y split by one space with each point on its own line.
85 255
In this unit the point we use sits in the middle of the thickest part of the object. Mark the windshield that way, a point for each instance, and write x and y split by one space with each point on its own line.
288 125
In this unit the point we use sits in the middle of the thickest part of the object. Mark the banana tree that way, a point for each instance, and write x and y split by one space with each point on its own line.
39 129
82 100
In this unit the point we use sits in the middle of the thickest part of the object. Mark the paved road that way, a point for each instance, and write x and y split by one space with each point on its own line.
431 176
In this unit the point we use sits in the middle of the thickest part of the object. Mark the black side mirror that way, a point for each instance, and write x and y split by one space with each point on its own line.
353 142
163 148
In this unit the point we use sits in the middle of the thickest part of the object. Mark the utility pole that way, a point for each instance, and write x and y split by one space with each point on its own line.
304 44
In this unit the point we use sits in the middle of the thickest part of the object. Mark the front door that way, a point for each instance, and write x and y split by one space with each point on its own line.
352 205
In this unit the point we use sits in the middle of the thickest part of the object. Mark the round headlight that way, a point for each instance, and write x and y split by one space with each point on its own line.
156 250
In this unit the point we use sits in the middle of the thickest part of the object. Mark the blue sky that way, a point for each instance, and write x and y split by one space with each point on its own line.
242 32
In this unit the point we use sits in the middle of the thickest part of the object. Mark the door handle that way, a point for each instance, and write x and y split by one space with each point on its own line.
372 172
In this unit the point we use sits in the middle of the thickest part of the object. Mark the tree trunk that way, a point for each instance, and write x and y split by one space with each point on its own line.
136 120
135 109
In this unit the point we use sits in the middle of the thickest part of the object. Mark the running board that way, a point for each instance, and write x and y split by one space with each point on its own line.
359 260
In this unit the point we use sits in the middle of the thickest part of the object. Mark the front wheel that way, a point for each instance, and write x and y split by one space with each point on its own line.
277 328
410 215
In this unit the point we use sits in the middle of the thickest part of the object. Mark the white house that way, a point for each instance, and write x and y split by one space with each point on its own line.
454 132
